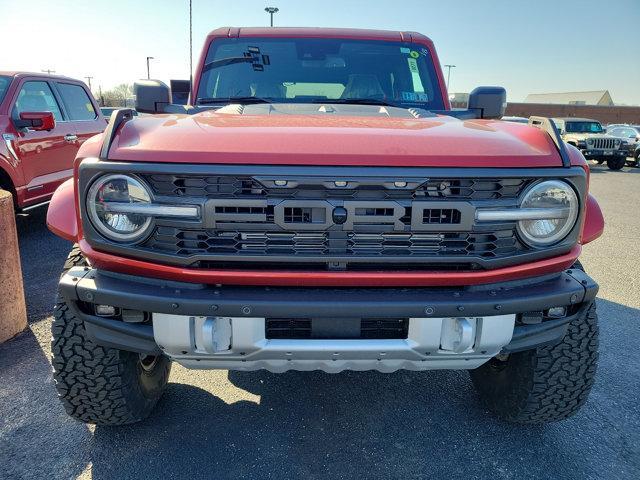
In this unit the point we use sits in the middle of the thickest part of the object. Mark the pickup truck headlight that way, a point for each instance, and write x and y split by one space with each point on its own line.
556 205
116 205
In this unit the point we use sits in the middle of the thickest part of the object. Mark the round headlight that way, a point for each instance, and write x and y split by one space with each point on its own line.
115 204
559 203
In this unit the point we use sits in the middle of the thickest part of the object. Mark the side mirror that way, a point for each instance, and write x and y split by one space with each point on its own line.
152 96
488 102
36 121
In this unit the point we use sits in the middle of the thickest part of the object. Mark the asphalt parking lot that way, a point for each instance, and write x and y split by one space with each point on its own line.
219 424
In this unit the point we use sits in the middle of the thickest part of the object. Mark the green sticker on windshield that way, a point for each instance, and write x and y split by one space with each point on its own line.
414 54
415 75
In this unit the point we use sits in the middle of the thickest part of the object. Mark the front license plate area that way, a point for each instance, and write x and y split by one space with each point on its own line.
336 328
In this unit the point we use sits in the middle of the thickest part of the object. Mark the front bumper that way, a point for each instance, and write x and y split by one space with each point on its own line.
604 154
189 320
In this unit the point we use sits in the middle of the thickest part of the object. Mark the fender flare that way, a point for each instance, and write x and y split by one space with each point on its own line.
593 221
62 217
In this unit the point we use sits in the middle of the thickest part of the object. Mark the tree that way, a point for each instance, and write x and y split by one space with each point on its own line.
119 96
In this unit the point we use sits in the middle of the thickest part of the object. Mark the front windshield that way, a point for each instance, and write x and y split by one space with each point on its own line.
309 70
583 127
4 86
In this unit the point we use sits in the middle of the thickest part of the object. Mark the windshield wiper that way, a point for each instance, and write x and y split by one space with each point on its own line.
358 101
229 100
227 61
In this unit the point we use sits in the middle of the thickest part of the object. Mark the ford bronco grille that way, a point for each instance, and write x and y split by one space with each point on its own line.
247 186
325 223
331 218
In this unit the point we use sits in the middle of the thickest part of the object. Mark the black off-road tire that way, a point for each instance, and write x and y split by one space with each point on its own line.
616 163
97 384
546 384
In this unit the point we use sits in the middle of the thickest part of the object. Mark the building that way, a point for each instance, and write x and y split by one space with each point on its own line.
596 97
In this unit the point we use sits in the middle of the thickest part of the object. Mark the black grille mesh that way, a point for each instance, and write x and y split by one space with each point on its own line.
248 187
175 241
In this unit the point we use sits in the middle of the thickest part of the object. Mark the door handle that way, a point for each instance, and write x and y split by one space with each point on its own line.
70 138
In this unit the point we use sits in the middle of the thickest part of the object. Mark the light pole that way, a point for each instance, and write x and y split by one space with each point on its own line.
190 47
271 11
449 67
148 74
89 81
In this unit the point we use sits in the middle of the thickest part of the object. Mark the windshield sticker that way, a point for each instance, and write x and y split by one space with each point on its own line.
424 52
404 50
414 54
415 75
414 97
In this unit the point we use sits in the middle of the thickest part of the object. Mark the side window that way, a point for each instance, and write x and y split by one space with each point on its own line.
37 97
77 102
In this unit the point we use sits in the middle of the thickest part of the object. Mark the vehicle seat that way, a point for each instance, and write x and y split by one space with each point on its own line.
32 103
363 86
268 90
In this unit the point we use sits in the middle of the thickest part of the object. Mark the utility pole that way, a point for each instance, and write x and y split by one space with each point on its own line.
48 71
101 96
148 74
449 67
190 47
271 11
89 81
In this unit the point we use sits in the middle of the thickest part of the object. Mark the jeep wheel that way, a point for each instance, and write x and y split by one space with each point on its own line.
616 163
545 384
97 384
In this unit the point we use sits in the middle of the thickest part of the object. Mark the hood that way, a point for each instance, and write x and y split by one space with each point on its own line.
312 134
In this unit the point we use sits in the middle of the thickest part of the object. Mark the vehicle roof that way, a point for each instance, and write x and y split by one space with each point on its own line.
317 32
575 119
19 74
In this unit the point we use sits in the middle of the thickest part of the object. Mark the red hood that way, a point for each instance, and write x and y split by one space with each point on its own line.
329 139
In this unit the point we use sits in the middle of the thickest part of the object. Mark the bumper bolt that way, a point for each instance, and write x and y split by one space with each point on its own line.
174 305
89 296
461 308
246 310
498 307
574 298
493 293
457 294
429 310
214 307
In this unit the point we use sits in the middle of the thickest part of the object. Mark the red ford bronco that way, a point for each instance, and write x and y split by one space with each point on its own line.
318 205
43 120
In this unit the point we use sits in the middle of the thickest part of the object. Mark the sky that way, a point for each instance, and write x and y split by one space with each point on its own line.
525 46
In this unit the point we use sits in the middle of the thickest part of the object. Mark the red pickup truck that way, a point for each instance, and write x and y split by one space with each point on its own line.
43 120
318 205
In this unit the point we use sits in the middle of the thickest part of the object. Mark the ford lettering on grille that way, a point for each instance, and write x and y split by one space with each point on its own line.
318 215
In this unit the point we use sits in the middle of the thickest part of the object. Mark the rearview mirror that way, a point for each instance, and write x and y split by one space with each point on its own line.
488 102
180 90
36 121
152 96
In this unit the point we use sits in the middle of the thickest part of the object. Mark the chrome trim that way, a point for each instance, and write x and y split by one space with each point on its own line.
153 209
516 214
8 140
